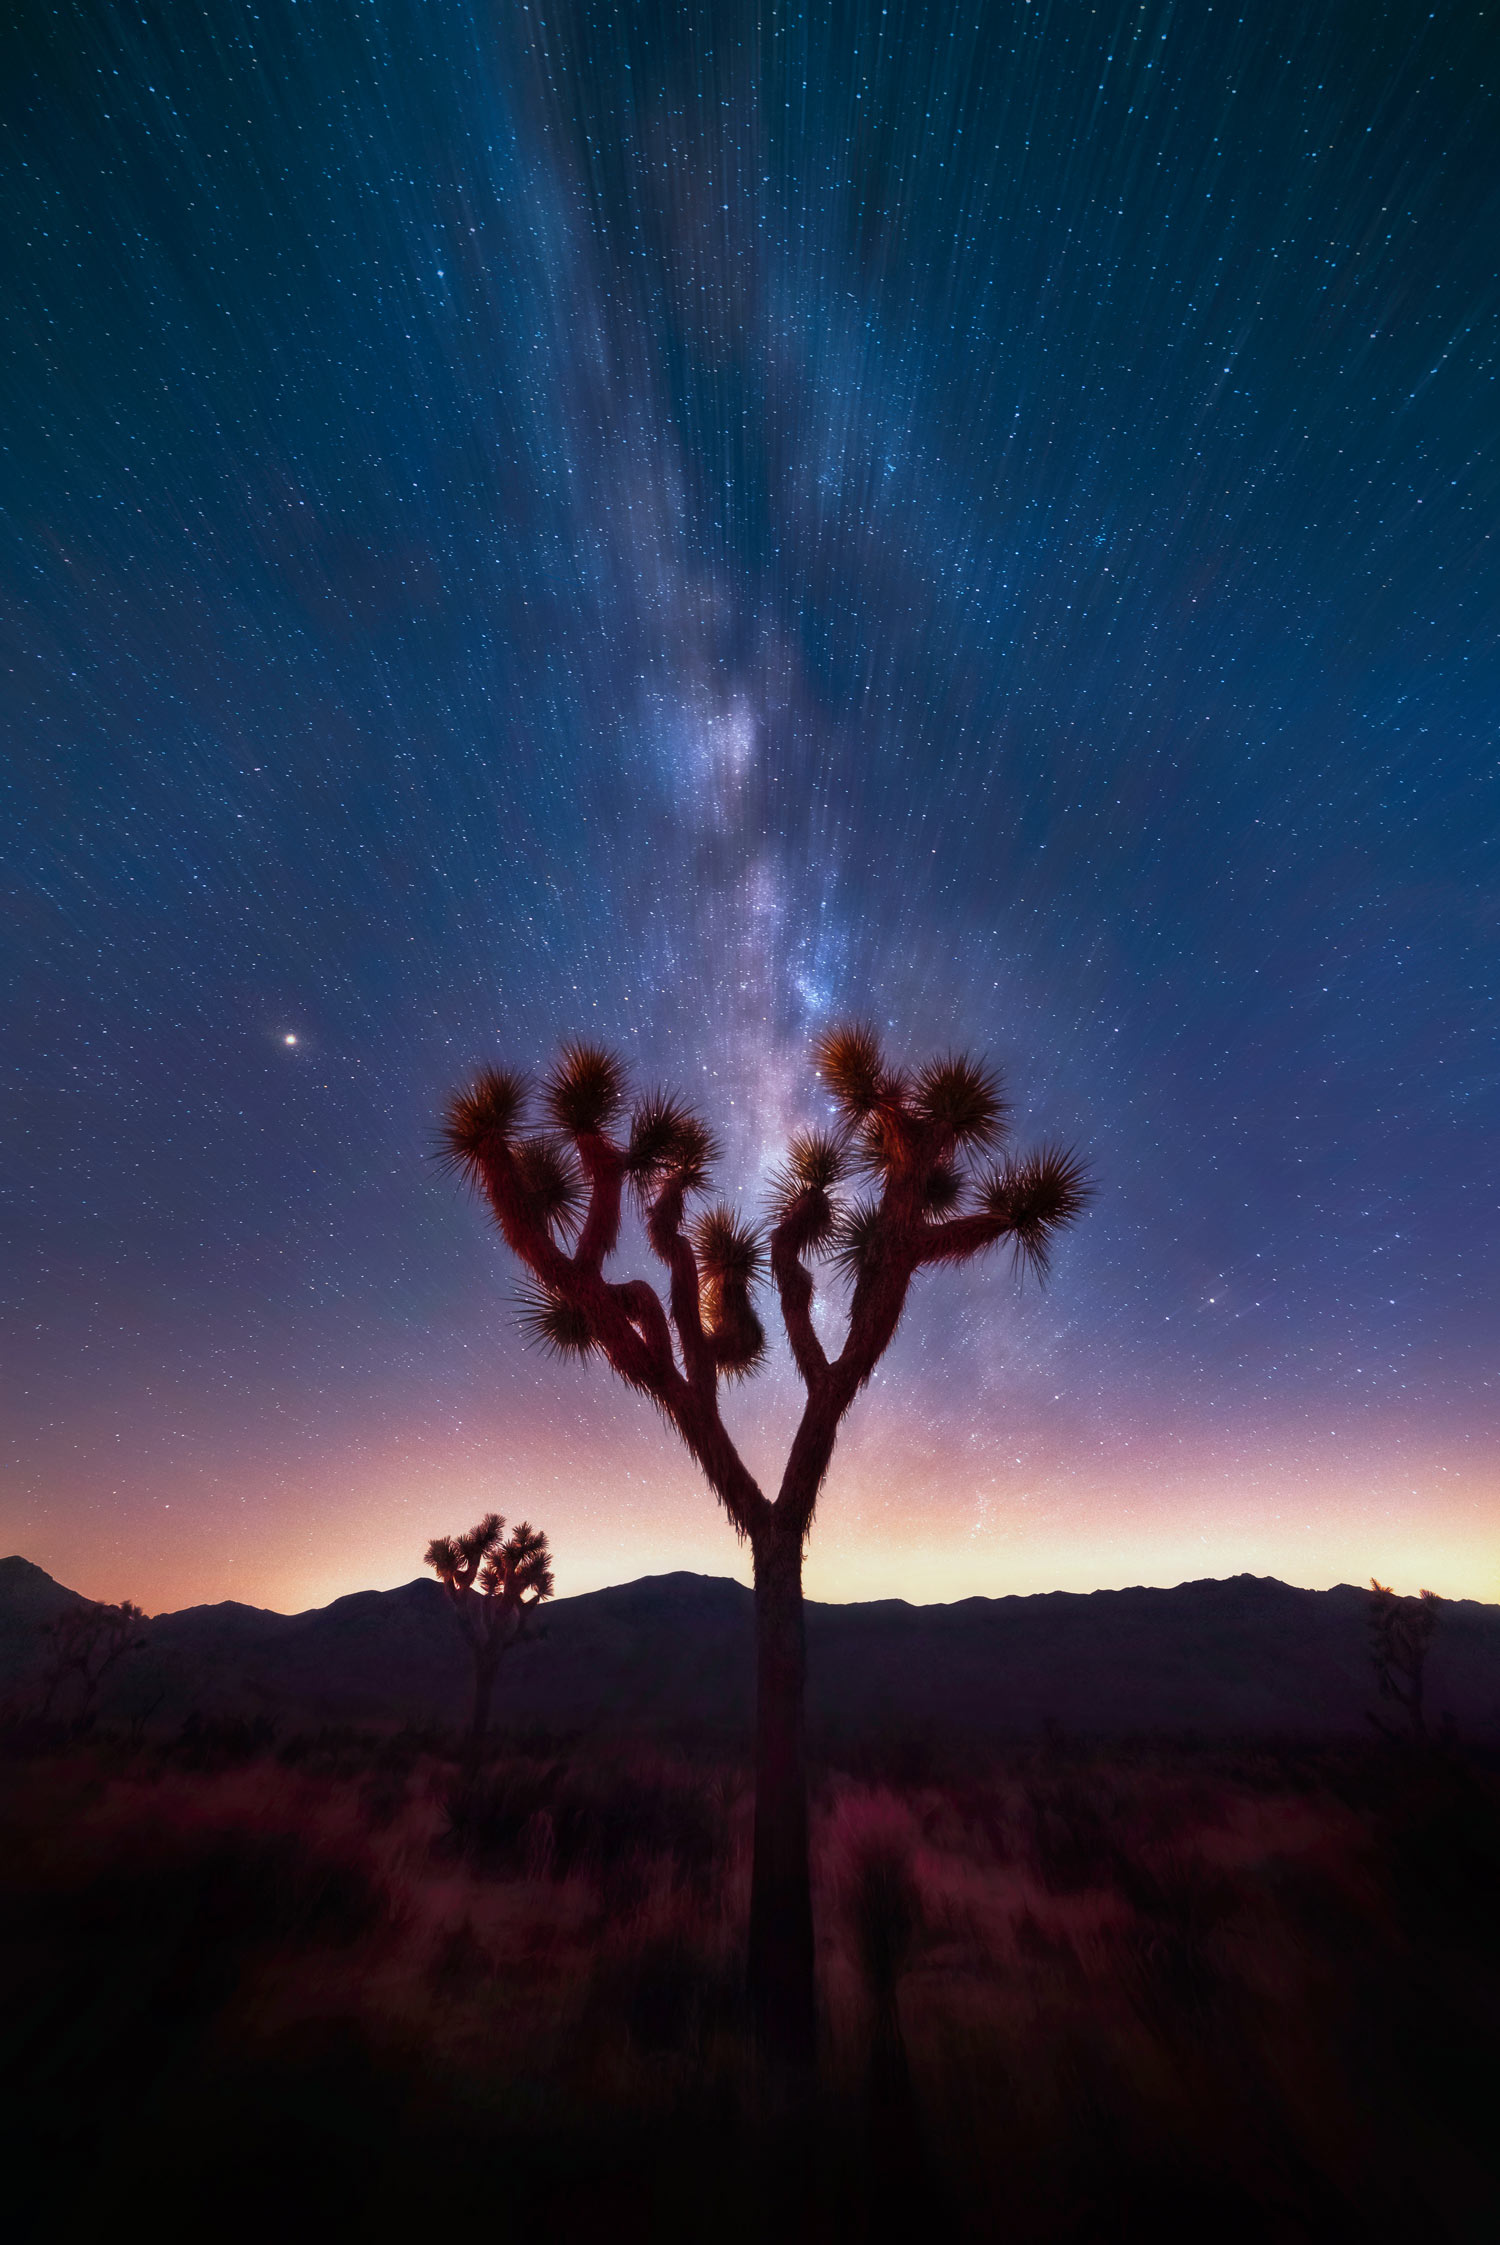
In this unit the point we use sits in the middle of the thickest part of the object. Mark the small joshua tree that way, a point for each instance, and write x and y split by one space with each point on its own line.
937 1190
493 1582
1400 1639
85 1642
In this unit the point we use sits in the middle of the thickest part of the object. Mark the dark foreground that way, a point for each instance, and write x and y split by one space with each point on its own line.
250 1991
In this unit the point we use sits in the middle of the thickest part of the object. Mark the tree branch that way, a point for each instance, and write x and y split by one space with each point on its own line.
959 1238
627 1320
881 1288
641 1303
725 1471
671 1244
631 1355
879 1298
794 1284
604 1166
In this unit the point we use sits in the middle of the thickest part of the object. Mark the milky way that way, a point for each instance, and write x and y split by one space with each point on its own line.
678 525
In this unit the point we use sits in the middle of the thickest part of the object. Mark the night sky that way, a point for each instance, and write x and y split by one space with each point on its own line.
679 524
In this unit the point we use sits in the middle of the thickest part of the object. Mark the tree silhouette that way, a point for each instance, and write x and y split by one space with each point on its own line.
492 1581
85 1642
921 1152
1400 1639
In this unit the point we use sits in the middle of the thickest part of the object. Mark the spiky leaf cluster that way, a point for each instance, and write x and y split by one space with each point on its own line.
817 1160
855 1239
942 1189
802 1189
730 1261
550 1183
521 1569
585 1091
1036 1196
728 1249
483 1117
457 1558
960 1099
889 1141
557 1328
851 1063
668 1141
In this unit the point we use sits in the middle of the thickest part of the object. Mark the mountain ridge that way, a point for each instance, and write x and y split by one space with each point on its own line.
673 1652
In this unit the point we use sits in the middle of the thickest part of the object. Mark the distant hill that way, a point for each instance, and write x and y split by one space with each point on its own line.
672 1654
29 1599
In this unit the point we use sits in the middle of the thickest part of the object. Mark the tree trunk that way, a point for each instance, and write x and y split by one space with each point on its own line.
781 1930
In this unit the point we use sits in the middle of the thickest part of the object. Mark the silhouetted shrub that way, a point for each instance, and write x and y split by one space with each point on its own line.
529 1819
216 1742
1072 1843
875 1847
336 1750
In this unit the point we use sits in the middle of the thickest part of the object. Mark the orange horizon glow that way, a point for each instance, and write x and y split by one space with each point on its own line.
906 1514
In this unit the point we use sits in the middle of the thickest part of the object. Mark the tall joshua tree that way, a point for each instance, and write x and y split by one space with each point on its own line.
912 1175
492 1581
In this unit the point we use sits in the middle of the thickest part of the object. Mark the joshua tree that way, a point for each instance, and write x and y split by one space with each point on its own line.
86 1641
1400 1637
936 1190
493 1581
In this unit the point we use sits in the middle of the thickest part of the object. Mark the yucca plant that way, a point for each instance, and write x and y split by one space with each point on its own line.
936 1186
493 1581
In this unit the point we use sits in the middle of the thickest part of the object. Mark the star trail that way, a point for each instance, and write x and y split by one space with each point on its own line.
678 524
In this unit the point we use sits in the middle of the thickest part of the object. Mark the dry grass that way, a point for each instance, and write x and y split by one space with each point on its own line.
1070 1998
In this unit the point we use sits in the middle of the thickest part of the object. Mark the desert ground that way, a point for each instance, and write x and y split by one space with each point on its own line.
315 1983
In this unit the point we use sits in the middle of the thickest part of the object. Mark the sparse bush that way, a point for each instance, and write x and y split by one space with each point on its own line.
210 1742
608 1821
1072 1841
875 1846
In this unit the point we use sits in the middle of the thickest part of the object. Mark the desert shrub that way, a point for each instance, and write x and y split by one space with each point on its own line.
216 1742
1071 1839
345 1750
335 1750
872 1845
1228 2021
602 1820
